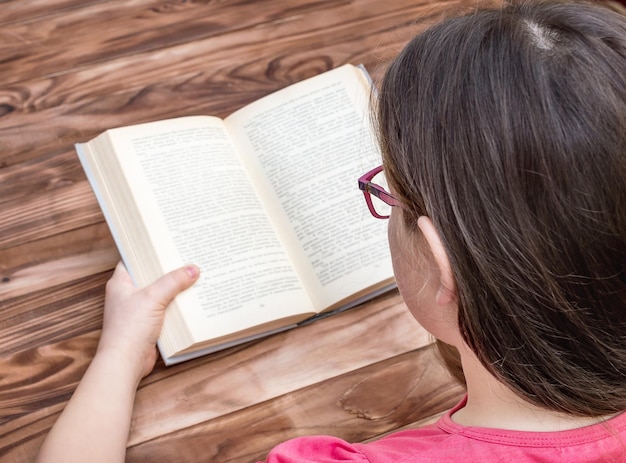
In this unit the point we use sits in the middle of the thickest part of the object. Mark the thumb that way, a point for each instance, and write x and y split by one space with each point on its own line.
171 284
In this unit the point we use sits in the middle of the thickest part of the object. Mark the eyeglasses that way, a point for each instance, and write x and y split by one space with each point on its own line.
378 199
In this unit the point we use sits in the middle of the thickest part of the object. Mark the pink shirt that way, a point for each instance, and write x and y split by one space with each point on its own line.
447 441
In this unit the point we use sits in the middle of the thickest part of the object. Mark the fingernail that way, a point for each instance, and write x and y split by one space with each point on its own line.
192 271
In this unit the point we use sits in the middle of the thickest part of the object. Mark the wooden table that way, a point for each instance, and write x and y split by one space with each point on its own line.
71 69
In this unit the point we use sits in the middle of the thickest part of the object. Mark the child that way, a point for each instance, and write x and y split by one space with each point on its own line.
503 135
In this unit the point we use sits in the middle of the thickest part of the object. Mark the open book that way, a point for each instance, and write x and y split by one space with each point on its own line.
265 202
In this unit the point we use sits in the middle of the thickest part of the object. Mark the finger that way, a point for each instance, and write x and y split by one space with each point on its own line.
119 279
120 272
169 285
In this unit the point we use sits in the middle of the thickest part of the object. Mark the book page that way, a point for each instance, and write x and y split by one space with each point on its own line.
196 201
306 146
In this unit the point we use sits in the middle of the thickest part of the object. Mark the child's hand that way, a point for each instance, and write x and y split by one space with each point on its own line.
133 317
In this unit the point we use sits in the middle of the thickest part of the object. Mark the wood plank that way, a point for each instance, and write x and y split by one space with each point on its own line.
36 386
46 375
92 252
22 444
332 346
139 26
360 405
352 406
60 210
183 83
51 315
25 181
341 344
22 10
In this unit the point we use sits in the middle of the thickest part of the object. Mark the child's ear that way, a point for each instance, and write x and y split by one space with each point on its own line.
447 286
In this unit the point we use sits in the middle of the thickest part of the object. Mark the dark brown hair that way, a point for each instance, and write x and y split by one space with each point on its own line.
508 128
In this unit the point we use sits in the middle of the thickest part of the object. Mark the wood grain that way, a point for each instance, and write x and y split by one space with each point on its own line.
71 69
202 76
358 405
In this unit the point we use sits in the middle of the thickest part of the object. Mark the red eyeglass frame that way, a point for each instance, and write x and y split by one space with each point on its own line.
370 188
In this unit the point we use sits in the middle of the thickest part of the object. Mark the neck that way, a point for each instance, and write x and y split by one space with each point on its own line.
492 404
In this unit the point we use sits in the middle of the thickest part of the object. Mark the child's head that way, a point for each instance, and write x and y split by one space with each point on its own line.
507 128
